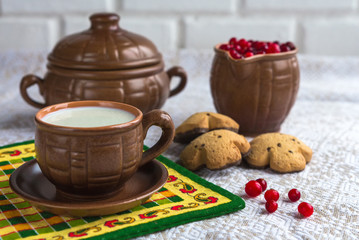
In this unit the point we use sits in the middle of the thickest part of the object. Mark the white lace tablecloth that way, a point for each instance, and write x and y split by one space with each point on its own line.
325 116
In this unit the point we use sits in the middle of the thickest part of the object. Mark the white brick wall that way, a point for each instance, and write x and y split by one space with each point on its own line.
301 5
315 26
28 33
164 31
340 35
183 6
57 6
205 32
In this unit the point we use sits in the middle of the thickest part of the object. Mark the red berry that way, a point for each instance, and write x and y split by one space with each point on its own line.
233 41
260 52
243 43
263 183
294 195
248 54
250 49
271 194
226 47
253 188
290 45
234 54
284 47
271 206
273 48
237 48
261 46
305 209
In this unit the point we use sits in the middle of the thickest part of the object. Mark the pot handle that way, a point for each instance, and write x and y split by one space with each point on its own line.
164 121
28 81
178 72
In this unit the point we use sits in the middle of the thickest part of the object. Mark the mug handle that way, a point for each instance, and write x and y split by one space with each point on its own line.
164 121
28 81
178 72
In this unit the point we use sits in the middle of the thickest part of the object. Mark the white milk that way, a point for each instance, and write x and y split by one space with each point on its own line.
88 117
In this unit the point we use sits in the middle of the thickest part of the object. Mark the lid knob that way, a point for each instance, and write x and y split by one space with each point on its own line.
105 21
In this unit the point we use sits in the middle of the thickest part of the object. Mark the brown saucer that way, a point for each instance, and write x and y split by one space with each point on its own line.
29 183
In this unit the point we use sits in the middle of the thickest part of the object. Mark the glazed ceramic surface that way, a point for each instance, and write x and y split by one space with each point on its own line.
85 163
29 182
105 62
258 92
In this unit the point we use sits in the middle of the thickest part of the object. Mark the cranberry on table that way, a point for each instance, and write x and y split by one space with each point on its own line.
271 194
253 188
263 183
271 206
305 209
294 195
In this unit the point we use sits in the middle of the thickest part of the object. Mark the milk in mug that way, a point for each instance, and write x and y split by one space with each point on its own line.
88 117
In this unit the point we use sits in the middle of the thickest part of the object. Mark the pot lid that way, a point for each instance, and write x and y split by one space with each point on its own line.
104 46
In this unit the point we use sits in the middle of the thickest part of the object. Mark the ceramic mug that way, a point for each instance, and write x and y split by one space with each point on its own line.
95 162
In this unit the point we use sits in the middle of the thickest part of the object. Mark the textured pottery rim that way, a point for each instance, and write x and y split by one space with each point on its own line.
106 74
264 57
127 65
89 103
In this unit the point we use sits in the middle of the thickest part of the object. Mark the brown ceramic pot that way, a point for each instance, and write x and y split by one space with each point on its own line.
258 92
86 163
105 62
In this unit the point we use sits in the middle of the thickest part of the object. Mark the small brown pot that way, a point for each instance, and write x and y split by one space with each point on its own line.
258 92
105 62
